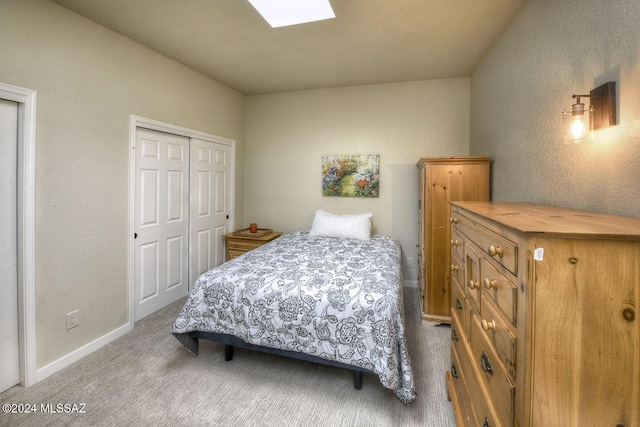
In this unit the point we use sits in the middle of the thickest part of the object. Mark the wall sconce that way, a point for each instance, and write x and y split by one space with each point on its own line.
581 120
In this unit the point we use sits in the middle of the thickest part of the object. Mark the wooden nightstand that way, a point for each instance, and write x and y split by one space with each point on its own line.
242 241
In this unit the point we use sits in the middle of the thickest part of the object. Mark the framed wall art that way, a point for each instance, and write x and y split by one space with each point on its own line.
351 176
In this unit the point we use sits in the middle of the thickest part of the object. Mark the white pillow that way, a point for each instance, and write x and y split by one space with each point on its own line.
343 226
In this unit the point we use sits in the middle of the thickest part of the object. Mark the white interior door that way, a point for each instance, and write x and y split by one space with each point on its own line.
161 218
9 350
210 200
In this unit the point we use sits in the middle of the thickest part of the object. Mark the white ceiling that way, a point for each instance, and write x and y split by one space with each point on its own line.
369 41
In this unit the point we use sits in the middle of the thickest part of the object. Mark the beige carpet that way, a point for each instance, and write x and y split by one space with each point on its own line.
148 378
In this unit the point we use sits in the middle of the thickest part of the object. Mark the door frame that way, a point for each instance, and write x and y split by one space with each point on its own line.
135 122
26 100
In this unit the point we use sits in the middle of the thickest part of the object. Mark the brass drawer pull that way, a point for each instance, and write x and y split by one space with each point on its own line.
454 334
453 220
485 422
474 285
495 250
490 283
455 267
458 304
454 371
455 243
485 364
488 326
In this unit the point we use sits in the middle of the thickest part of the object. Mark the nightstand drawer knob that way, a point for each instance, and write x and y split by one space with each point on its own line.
474 285
455 243
453 220
455 267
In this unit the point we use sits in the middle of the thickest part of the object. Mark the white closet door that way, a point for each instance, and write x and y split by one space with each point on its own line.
210 200
161 218
9 351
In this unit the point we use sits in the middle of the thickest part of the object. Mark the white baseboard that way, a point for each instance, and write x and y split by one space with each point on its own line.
78 354
410 283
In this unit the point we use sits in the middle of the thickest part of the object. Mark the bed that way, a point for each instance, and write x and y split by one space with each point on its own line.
331 300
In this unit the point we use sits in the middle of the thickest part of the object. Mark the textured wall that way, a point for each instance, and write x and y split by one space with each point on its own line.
89 80
287 134
553 49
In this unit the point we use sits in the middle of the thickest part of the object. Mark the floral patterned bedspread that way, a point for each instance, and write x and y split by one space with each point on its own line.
337 299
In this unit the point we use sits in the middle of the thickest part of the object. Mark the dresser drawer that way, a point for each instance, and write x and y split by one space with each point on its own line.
460 312
502 250
463 399
482 411
457 271
472 283
497 332
500 391
457 244
500 290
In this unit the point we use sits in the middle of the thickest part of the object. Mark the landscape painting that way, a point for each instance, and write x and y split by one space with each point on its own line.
351 176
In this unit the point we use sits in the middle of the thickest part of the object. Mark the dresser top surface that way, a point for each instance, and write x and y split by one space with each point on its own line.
537 219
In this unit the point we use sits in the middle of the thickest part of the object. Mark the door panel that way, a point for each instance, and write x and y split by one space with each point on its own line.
210 195
9 351
161 220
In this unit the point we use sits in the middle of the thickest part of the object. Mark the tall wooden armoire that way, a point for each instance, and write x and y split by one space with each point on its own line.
443 179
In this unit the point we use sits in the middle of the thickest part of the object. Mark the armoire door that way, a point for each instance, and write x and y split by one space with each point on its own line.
161 215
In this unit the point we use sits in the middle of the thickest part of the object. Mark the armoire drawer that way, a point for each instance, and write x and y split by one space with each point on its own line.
500 289
502 250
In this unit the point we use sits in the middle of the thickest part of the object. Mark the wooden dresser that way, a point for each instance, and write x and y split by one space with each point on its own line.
240 242
544 330
443 179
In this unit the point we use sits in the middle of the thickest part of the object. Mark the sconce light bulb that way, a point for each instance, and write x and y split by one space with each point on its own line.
578 128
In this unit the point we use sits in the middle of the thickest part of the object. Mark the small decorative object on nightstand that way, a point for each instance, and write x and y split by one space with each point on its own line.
242 241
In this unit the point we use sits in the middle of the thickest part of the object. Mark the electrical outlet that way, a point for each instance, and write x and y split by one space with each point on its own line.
73 319
411 263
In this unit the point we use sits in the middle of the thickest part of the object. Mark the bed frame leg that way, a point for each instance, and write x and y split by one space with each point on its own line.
228 352
357 380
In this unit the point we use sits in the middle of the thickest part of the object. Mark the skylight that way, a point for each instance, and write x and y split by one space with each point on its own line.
281 13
